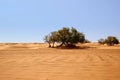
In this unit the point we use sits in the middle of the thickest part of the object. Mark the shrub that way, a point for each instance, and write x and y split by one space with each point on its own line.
101 41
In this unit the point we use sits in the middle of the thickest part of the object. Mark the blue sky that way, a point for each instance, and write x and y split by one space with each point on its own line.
31 20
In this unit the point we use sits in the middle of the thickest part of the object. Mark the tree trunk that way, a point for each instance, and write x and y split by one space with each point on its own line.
49 45
53 44
61 44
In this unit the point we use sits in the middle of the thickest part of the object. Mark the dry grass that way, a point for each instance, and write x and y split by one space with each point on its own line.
37 62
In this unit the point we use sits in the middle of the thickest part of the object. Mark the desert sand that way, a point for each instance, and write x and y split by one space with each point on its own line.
38 62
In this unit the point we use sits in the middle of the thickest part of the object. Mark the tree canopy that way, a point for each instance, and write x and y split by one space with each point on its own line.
65 36
110 40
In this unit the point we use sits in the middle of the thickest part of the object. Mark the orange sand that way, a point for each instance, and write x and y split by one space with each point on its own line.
37 62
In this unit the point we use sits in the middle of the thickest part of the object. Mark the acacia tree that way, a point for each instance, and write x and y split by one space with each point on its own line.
111 40
66 37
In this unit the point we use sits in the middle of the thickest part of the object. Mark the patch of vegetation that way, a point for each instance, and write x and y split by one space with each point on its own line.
110 40
87 41
101 41
66 37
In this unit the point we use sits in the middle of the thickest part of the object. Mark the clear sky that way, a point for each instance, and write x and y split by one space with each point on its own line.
31 20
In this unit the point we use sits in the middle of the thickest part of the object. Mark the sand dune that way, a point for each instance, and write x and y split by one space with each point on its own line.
37 62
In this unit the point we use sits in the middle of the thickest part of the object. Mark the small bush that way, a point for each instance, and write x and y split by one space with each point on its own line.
101 41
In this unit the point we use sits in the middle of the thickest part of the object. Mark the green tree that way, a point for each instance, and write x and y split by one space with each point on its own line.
66 37
111 40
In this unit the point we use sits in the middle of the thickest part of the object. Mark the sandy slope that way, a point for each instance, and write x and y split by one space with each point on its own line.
36 62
